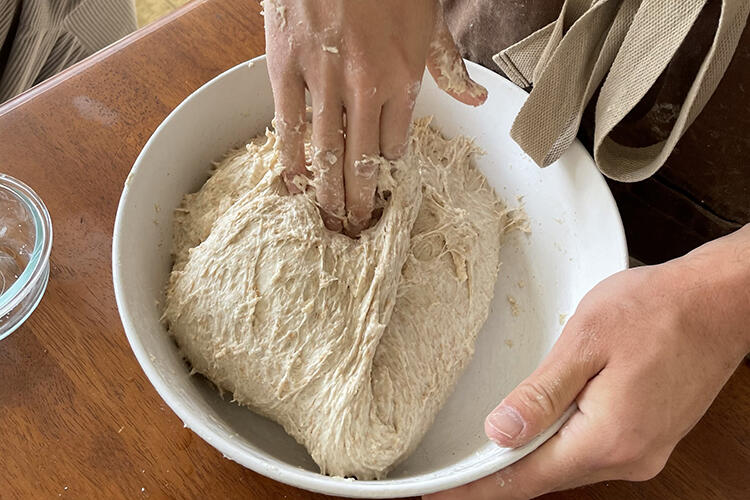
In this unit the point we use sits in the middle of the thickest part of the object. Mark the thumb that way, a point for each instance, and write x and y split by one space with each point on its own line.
447 67
537 402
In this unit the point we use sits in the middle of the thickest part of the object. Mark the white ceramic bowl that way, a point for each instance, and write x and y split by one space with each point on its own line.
576 240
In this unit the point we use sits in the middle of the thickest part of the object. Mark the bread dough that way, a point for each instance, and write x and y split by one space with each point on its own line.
351 345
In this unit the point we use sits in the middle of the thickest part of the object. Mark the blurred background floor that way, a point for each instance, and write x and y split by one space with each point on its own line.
149 11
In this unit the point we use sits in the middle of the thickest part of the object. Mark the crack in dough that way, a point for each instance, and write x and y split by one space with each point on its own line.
351 345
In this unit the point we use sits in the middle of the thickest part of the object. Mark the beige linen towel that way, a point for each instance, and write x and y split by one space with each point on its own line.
626 44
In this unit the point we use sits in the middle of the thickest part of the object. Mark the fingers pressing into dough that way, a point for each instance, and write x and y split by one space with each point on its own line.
360 169
289 100
447 67
395 121
328 160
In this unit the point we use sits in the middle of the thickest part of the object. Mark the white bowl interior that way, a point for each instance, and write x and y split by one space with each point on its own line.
576 240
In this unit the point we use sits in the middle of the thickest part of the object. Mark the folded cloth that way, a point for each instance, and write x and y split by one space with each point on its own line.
39 38
620 47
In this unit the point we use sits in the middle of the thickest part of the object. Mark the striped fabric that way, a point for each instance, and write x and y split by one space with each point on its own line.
39 38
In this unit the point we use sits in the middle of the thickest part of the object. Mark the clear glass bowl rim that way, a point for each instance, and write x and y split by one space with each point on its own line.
39 259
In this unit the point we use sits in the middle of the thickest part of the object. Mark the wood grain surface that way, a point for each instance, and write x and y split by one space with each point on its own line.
78 418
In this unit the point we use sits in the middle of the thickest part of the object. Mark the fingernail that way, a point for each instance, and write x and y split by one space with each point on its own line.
478 91
506 421
477 88
366 167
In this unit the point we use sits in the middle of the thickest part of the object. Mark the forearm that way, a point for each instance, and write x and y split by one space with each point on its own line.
714 283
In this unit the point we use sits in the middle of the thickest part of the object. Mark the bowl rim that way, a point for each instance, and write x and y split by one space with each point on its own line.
278 470
36 272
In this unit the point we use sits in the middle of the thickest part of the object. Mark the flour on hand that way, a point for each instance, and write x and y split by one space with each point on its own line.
351 345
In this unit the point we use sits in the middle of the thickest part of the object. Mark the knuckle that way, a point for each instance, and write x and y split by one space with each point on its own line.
535 397
366 168
365 92
327 156
328 138
323 81
289 140
587 323
412 90
647 469
290 126
332 205
364 78
587 330
394 150
624 451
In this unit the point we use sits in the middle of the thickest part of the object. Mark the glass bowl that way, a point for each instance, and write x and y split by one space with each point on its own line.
25 244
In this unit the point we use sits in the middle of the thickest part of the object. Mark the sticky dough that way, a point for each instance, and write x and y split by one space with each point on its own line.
351 345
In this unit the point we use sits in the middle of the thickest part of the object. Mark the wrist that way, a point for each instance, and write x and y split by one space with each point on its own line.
714 289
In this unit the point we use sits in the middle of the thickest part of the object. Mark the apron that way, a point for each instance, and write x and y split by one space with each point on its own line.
681 177
39 38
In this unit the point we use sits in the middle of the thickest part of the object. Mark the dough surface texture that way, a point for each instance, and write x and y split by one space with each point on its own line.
351 345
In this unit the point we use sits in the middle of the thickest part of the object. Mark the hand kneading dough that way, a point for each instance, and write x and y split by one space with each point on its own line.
351 345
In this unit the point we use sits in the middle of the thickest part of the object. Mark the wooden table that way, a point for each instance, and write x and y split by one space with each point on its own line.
78 418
